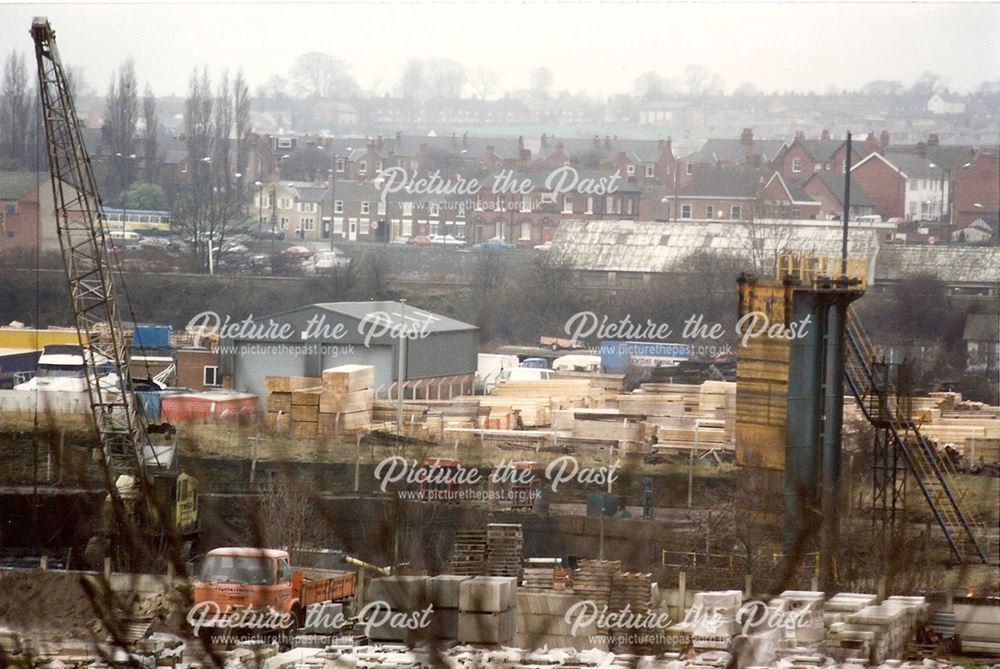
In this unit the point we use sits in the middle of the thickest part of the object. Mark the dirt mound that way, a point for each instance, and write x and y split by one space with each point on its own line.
40 600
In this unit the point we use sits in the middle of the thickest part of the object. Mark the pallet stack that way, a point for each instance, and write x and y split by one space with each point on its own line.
504 547
305 412
593 578
278 405
346 401
632 590
468 556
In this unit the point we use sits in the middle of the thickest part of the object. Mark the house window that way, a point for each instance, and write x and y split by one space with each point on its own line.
363 166
381 207
590 204
526 231
285 203
338 207
435 209
567 205
913 184
630 170
338 226
687 169
461 210
526 202
548 198
629 204
407 209
340 165
685 211
843 166
210 376
308 223
407 227
366 207
284 222
736 212
709 211
10 208
796 164
650 170
307 207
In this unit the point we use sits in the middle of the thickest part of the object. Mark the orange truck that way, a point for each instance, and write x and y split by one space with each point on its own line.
256 589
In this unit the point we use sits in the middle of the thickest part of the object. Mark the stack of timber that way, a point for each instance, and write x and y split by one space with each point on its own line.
689 394
504 547
468 556
604 388
593 578
690 432
618 429
566 393
278 406
346 401
971 428
305 412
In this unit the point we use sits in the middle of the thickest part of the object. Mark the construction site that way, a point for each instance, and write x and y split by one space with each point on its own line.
381 500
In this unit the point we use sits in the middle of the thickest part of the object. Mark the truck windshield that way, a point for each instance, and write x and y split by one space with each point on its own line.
237 569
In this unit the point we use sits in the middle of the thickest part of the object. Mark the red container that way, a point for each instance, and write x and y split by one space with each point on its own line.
203 407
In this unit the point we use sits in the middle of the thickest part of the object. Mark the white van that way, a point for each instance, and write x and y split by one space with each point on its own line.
123 235
526 374
577 362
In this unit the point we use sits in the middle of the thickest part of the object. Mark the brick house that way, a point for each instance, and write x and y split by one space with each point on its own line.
292 207
27 214
783 199
198 369
728 153
718 195
905 185
805 157
827 188
976 192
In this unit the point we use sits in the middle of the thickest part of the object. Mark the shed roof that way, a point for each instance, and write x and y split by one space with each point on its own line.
632 246
395 313
952 264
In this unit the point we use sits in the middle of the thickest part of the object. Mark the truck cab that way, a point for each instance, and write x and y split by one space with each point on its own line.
246 578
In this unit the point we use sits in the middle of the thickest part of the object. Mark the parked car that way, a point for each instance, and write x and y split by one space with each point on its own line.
447 240
268 234
419 240
298 252
326 261
544 246
495 243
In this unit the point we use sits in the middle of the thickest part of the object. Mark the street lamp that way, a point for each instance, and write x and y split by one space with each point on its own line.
260 205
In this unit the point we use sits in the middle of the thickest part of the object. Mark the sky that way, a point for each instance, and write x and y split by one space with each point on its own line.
595 47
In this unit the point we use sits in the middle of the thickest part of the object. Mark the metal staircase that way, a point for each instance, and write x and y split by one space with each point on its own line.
933 473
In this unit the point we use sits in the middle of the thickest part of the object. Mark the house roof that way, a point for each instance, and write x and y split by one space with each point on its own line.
15 185
834 182
916 167
948 156
731 183
726 150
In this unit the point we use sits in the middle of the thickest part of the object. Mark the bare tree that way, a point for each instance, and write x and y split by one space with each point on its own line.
483 82
15 112
702 82
650 87
542 82
149 143
321 75
445 78
412 83
120 118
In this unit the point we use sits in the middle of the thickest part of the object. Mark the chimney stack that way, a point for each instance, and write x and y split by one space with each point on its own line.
545 140
871 144
825 134
884 139
933 140
746 137
921 149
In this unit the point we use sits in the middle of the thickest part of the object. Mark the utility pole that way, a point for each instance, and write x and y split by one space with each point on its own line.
400 368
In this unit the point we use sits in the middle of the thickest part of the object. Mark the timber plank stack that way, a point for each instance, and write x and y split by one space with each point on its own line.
346 401
278 405
593 578
468 557
305 412
504 548
972 428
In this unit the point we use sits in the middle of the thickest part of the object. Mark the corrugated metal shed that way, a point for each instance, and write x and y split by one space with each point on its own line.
955 265
649 247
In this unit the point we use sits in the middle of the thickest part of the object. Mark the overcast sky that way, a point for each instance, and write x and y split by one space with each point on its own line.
599 48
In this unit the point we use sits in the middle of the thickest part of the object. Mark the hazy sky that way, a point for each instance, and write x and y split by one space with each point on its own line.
598 47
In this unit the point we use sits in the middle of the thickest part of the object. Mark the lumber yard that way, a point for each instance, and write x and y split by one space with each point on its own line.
375 482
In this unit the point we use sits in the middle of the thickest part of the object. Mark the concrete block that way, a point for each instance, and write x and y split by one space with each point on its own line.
401 593
443 591
487 627
492 594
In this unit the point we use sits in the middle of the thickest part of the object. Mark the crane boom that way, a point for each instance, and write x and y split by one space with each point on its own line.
89 263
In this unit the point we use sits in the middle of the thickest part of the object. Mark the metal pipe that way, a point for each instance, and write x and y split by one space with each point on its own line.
847 205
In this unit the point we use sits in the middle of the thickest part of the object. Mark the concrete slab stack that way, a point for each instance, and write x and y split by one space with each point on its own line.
541 621
402 594
802 615
504 549
444 595
487 610
888 626
712 618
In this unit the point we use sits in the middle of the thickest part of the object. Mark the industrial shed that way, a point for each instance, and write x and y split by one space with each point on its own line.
440 356
622 252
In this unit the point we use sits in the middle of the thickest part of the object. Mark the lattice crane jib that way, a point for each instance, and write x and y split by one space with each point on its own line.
89 264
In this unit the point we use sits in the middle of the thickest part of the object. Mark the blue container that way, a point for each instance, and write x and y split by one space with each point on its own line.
149 401
151 336
618 356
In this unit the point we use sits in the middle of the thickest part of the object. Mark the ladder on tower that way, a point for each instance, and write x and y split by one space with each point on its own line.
934 474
